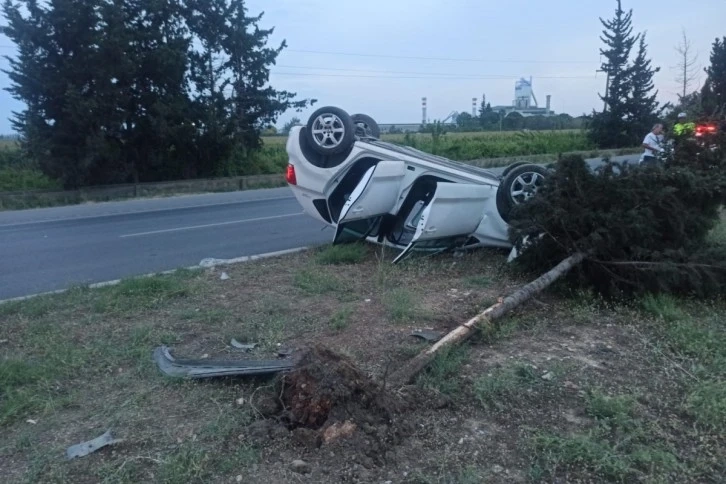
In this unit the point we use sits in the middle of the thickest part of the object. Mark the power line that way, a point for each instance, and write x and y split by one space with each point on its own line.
475 76
448 59
452 78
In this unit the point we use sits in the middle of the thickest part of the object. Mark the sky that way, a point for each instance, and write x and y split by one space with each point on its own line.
380 57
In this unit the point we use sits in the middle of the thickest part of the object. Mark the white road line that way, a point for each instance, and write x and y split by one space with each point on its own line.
193 227
135 212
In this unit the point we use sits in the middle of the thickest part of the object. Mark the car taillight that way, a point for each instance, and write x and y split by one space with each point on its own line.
290 176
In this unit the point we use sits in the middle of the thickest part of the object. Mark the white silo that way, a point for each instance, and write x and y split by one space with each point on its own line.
522 93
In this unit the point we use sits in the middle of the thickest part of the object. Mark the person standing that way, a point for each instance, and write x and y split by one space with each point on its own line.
682 128
653 144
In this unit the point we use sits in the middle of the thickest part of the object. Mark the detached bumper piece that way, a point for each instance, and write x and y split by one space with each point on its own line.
217 368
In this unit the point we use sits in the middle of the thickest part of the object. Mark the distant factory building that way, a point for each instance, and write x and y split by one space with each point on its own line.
524 103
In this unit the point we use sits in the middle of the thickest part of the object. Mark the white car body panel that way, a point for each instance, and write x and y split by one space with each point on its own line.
455 210
377 193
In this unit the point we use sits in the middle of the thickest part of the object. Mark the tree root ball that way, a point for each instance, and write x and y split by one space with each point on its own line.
326 383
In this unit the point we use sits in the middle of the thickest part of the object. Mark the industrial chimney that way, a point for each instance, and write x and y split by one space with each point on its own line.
423 110
549 100
473 107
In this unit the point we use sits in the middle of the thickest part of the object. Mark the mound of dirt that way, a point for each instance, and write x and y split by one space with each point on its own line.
327 401
327 387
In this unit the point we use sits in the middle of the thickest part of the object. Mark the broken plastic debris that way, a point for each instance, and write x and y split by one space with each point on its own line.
212 368
284 352
85 448
427 334
242 346
210 262
224 276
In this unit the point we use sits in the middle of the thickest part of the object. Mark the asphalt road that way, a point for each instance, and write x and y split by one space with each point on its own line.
49 249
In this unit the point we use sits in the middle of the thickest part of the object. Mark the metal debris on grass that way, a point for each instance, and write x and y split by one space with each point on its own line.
242 346
85 448
187 368
427 334
285 352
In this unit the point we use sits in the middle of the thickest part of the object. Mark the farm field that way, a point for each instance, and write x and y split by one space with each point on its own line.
471 146
501 148
568 388
6 143
400 137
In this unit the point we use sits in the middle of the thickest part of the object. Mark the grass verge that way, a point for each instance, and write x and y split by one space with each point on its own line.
565 390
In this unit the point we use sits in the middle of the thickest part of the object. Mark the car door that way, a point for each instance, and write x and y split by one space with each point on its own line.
453 214
375 195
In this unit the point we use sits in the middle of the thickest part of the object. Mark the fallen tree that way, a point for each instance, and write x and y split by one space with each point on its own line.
486 318
628 231
647 229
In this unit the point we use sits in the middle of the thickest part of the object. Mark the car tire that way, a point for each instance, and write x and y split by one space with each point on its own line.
511 167
330 131
365 126
520 184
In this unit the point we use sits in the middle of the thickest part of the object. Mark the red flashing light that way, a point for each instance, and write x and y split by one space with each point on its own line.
705 129
290 175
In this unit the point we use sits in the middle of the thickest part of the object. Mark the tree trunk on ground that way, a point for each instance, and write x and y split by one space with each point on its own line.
486 317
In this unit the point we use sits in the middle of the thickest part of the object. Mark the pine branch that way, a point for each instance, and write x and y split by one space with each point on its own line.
660 264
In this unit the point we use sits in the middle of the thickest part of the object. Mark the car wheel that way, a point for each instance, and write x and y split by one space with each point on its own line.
365 126
330 131
520 185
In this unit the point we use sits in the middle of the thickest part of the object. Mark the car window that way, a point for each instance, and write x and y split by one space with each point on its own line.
352 231
439 244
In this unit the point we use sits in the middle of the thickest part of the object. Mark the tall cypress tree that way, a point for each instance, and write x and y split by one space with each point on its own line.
55 75
255 104
642 107
609 128
143 74
714 90
213 140
230 72
119 91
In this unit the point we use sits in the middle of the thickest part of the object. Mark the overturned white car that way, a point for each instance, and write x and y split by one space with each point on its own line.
368 189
